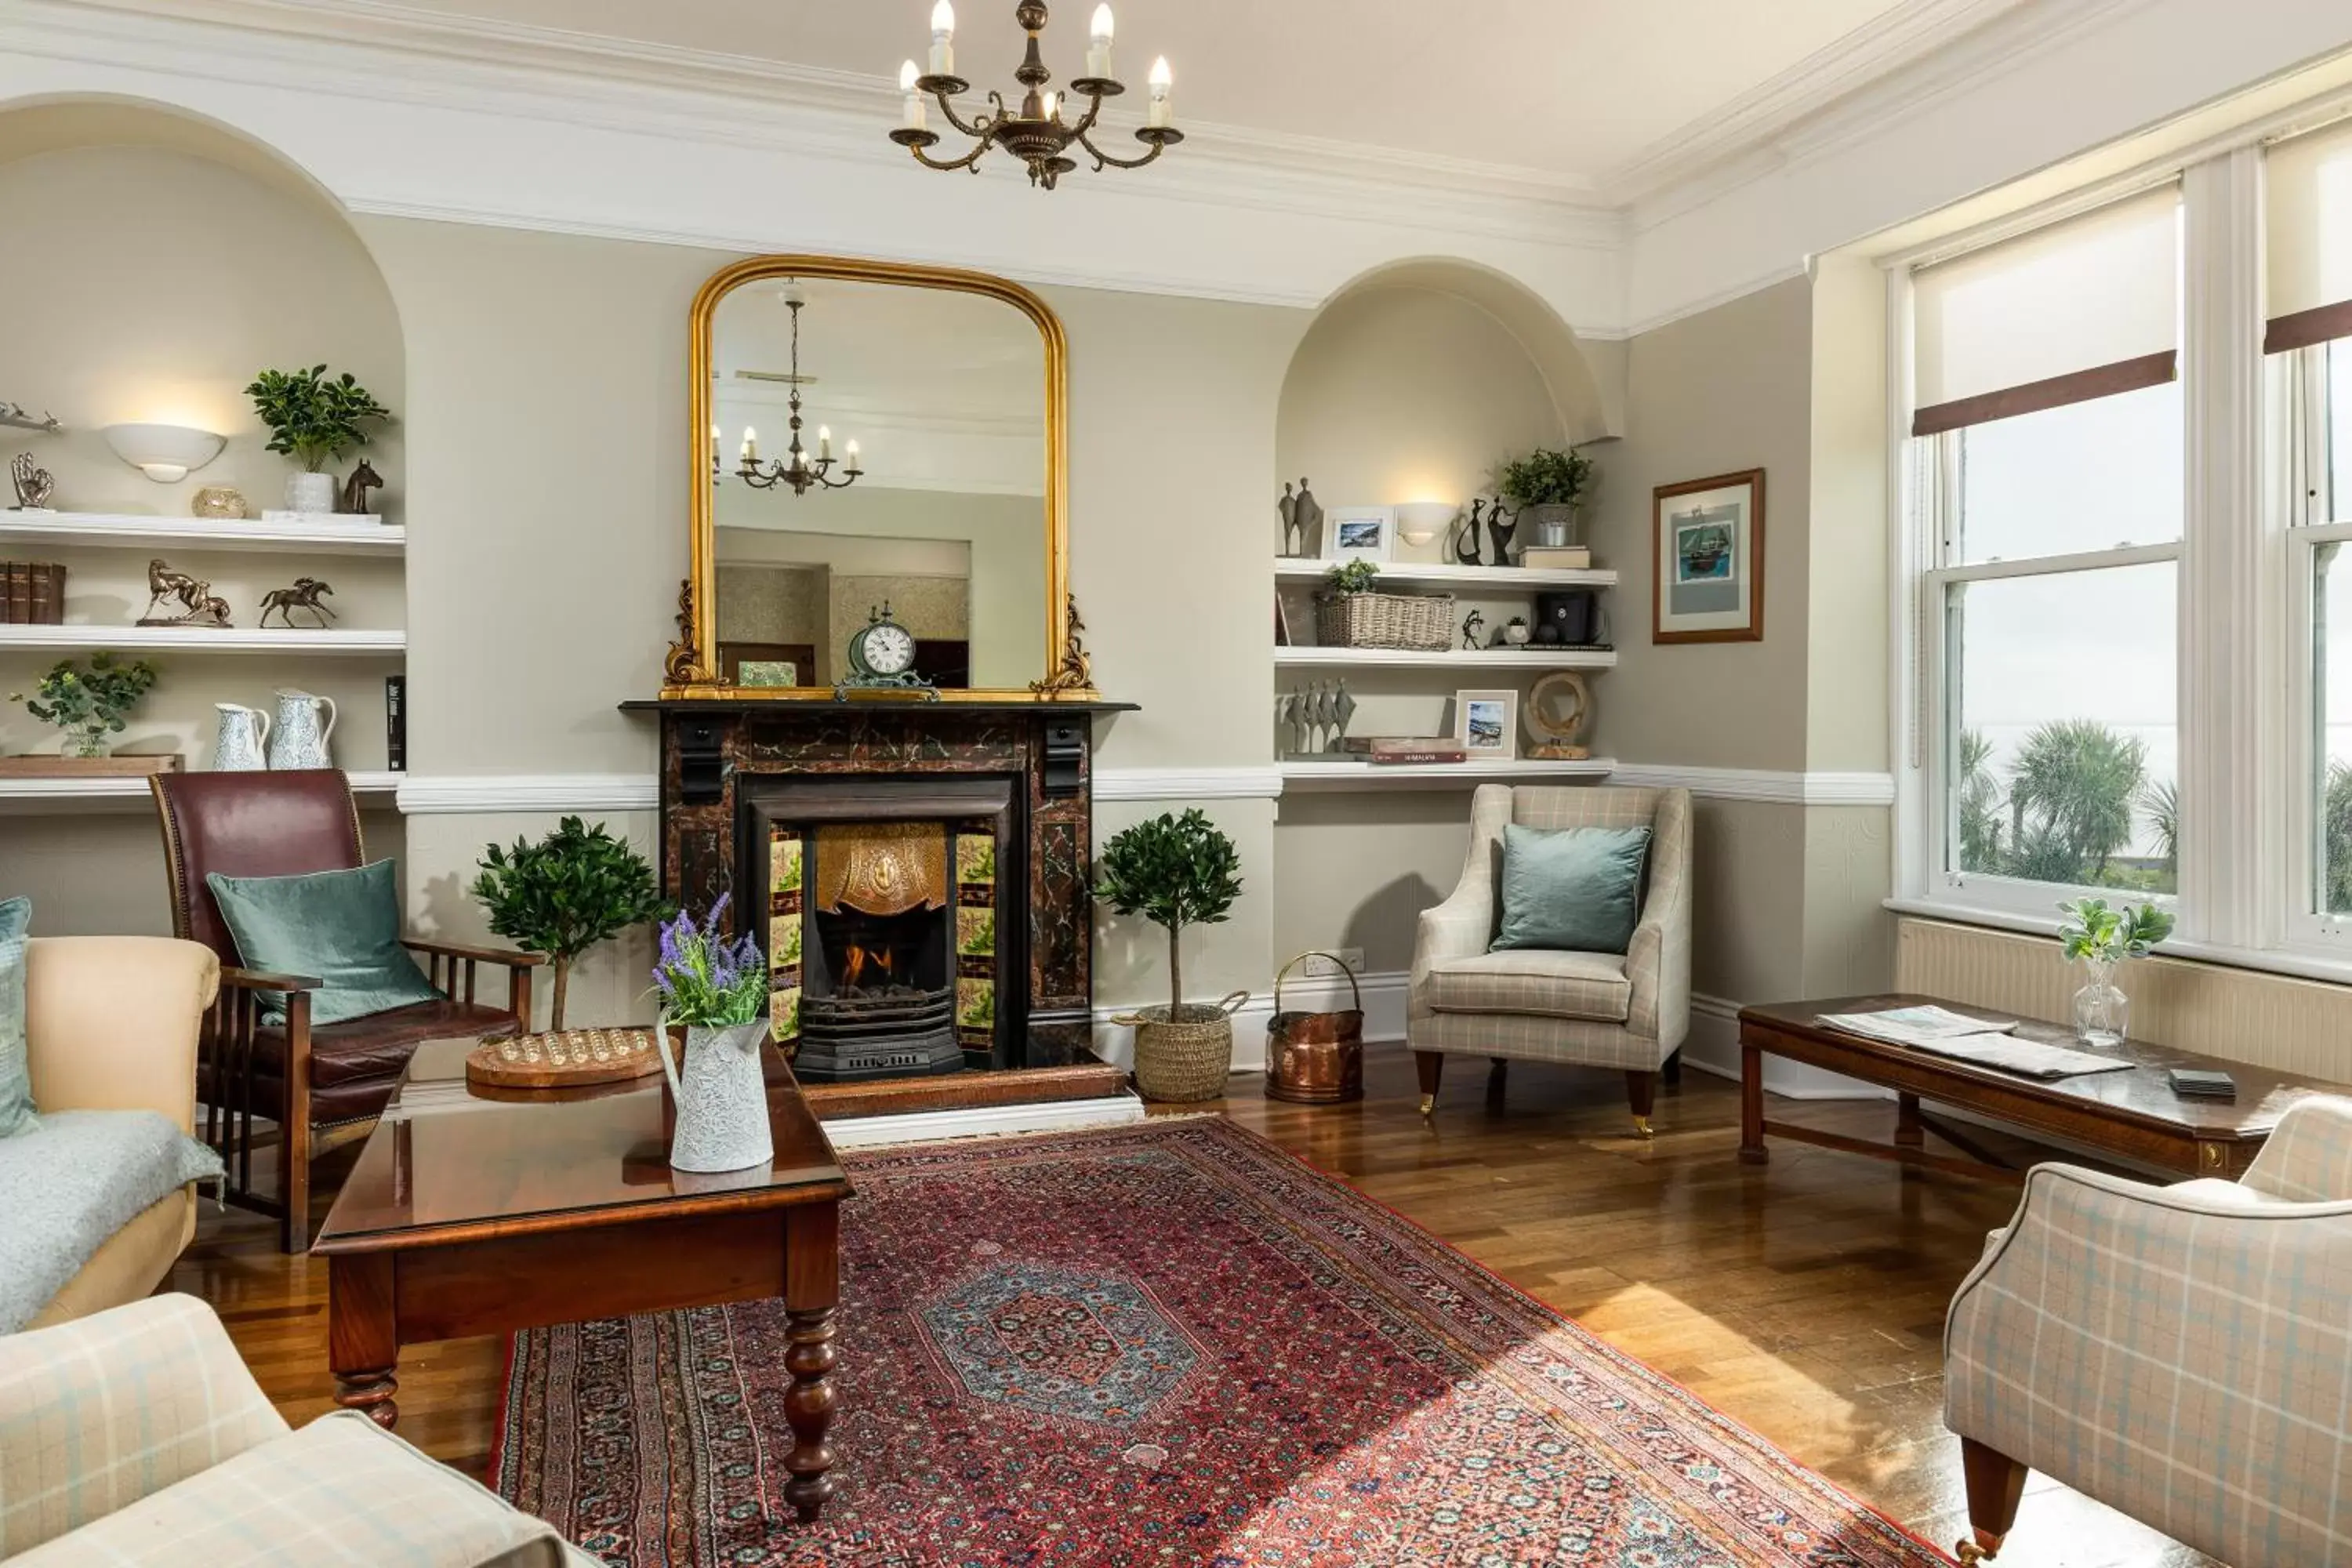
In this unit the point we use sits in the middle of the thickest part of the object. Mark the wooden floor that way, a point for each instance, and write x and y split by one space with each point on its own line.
1805 1300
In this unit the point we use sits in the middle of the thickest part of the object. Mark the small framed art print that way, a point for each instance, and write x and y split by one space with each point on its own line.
1708 550
1359 532
1488 724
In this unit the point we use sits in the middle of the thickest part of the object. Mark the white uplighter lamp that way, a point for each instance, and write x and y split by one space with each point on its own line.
165 453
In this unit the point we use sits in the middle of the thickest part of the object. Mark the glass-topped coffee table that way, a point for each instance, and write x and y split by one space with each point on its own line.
469 1214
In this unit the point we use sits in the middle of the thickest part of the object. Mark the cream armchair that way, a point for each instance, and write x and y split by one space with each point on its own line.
2180 1354
1591 1009
110 1024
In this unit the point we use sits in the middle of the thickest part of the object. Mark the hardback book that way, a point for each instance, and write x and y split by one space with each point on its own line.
1557 557
1434 754
396 722
1374 745
16 593
47 593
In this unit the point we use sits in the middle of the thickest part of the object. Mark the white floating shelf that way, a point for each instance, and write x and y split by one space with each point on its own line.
1424 775
203 640
1465 579
1452 658
325 535
116 792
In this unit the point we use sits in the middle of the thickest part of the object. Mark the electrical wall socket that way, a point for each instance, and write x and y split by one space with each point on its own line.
1320 967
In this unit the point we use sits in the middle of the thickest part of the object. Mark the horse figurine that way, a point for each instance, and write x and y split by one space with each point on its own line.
165 585
305 595
354 497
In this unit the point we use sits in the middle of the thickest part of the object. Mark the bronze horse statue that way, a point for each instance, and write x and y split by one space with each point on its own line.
354 497
305 595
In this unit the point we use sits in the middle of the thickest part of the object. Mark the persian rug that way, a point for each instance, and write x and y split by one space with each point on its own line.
1165 1345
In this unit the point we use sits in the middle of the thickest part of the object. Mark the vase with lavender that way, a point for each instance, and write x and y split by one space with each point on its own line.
717 989
2101 939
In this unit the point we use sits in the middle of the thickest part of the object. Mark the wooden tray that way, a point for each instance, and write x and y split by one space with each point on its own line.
572 1059
131 765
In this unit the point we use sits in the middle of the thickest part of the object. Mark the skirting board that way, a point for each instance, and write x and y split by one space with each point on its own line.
1384 1017
985 1122
1713 1046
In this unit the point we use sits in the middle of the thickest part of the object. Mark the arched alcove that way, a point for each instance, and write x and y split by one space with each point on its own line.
156 262
1418 376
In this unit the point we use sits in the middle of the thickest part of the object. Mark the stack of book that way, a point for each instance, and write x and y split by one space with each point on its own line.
1557 557
32 593
1395 750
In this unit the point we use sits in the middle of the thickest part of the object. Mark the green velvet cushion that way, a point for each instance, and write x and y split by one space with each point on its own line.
340 927
15 1069
1573 890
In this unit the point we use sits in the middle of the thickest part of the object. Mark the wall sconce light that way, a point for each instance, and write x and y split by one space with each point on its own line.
165 453
1419 521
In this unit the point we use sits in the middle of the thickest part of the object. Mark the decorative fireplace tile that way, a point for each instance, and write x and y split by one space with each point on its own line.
976 1008
976 933
786 853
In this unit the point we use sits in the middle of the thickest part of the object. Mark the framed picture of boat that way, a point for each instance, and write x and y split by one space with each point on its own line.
1707 549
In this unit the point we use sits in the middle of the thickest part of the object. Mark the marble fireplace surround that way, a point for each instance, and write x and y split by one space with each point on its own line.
732 767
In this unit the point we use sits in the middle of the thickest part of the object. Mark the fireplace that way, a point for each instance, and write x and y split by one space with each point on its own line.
923 868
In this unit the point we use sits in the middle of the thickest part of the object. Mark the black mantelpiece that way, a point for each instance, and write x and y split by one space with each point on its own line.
712 839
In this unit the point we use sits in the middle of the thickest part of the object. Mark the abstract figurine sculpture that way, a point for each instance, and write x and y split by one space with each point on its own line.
1465 541
1501 530
199 605
1472 624
1308 512
32 482
1288 509
305 595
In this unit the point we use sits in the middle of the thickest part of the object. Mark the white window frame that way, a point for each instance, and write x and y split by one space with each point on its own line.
2297 383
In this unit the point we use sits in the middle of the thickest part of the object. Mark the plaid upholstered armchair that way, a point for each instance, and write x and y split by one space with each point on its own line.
1591 1009
2180 1353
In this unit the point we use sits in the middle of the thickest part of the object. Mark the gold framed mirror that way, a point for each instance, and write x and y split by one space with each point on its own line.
875 445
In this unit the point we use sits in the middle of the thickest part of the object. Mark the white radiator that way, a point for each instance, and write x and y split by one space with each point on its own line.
2270 1020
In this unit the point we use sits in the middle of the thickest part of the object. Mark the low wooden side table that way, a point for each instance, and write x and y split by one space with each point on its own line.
2133 1114
473 1215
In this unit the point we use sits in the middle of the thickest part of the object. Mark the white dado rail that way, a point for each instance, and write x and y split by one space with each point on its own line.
444 795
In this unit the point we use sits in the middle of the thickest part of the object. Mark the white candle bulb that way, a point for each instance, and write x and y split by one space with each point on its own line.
824 440
943 39
1098 53
1162 80
1046 105
751 444
852 452
912 117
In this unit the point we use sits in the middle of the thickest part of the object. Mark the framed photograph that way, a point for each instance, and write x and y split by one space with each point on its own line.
1707 549
1488 724
1359 532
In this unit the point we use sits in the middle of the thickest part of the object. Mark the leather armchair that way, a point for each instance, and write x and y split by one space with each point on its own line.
1591 1009
320 1084
2176 1353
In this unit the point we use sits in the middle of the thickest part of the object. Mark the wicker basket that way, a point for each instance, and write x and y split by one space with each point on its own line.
1384 620
1189 1058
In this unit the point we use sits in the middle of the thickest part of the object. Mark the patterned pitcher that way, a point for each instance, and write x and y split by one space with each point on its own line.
722 1099
300 741
243 731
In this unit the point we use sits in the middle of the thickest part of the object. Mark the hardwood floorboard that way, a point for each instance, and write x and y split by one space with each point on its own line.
1804 1299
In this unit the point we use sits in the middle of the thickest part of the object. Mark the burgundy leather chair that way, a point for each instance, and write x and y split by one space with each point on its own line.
320 1084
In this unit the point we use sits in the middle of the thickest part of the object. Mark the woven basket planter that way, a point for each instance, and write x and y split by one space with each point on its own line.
1188 1059
1384 620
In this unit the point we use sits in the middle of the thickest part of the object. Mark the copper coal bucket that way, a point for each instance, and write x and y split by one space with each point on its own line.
1314 1059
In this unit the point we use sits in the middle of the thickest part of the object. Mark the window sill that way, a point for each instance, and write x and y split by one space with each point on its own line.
2297 965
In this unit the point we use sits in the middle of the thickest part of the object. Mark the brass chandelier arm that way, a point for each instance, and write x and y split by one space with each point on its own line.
1086 122
1159 143
983 126
968 161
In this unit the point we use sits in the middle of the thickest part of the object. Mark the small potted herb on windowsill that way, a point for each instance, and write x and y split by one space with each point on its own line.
314 420
1548 484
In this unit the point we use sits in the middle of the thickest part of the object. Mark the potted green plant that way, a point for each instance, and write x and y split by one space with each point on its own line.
575 888
1546 484
314 420
1352 577
2101 939
1176 871
90 704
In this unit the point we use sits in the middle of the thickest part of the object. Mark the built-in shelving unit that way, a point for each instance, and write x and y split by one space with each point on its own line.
1432 775
1529 658
1461 579
376 643
28 796
313 536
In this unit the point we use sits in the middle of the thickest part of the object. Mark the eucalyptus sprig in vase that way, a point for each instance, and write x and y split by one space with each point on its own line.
90 705
2103 937
718 990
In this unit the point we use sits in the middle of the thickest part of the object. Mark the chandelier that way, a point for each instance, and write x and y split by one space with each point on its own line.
1035 133
796 467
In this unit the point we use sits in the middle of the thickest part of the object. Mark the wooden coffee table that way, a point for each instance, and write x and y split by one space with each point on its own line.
468 1216
2134 1114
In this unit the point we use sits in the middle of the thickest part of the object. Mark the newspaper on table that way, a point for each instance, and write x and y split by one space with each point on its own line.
1982 1042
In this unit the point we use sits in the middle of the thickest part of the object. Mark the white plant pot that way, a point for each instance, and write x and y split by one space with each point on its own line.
310 492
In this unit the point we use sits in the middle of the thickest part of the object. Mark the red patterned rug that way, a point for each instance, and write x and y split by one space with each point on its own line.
1173 1345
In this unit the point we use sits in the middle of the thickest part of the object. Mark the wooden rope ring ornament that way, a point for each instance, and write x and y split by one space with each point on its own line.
1560 709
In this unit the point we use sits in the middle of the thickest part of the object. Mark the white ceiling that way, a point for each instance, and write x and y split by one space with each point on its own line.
1577 89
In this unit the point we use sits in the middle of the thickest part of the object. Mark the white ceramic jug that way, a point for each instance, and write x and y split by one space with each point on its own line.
300 740
243 731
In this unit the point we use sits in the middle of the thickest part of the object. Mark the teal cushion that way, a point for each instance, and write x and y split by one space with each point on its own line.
1573 890
15 1067
341 927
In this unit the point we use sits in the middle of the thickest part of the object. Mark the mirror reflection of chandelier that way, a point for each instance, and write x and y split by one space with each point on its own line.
1034 132
797 468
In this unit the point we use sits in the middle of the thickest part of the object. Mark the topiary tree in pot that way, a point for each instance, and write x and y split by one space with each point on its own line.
575 888
1176 871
